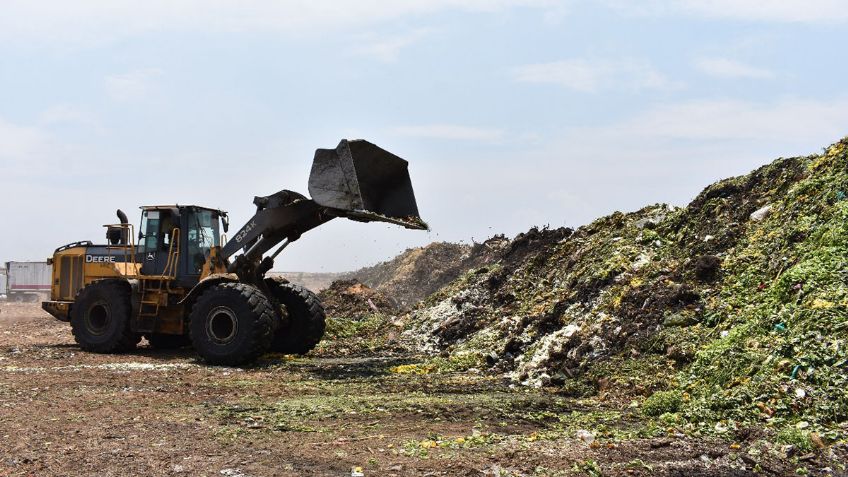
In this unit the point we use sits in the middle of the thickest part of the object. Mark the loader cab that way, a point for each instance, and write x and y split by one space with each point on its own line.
176 240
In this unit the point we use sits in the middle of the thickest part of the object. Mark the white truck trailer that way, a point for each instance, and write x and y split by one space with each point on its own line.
28 281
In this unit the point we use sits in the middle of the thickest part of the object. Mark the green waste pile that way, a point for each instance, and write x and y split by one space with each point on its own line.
363 307
354 300
727 313
418 272
360 320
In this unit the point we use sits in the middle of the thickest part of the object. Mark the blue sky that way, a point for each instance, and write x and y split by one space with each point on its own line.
511 113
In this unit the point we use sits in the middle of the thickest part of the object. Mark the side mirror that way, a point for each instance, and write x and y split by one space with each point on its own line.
225 221
140 235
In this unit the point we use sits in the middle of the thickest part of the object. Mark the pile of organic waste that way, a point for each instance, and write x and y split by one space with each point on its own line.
352 299
726 315
418 272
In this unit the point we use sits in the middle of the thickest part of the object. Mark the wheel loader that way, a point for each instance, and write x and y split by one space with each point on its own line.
184 283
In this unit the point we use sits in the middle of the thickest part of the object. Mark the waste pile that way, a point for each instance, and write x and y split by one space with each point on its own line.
315 281
418 272
360 320
351 299
729 312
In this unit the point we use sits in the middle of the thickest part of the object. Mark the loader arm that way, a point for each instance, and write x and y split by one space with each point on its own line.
281 217
357 180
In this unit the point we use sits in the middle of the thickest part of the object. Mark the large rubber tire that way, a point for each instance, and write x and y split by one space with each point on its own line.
304 326
161 341
231 324
100 318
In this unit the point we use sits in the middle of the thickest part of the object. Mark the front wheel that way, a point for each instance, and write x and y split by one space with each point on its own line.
231 324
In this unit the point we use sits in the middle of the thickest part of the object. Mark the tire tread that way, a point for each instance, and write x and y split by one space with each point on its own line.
126 340
258 342
302 336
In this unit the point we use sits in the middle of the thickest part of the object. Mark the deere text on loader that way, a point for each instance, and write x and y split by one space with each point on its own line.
180 284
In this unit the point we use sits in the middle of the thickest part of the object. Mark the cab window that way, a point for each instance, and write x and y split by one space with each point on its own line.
150 230
203 234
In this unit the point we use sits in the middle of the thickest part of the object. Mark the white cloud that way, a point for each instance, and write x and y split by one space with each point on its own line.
667 154
710 120
784 11
19 144
594 75
28 152
793 11
727 68
132 85
387 48
451 132
97 21
65 114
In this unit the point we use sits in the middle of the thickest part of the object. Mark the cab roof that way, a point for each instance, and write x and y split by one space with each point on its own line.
180 207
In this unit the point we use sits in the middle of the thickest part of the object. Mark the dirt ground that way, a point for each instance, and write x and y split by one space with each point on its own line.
67 412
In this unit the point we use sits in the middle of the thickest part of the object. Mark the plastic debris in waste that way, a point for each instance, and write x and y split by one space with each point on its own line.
357 472
760 214
587 437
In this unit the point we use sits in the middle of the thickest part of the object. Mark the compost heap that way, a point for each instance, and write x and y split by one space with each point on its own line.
730 310
360 320
418 272
351 299
364 318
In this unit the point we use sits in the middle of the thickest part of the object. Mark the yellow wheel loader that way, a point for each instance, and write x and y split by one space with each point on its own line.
183 283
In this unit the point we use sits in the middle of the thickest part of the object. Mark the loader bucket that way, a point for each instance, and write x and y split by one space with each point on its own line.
363 182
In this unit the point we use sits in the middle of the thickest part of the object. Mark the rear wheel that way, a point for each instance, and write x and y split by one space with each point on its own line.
161 341
231 324
100 318
304 326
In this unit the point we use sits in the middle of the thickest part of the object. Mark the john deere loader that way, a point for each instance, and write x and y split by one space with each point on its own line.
183 283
